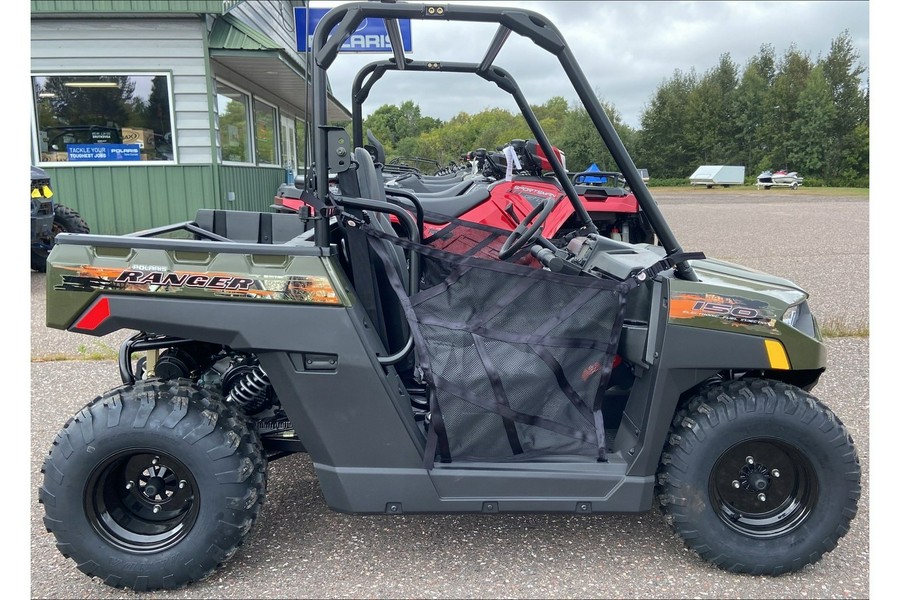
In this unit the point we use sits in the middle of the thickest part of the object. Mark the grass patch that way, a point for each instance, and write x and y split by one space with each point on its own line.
847 192
101 351
836 329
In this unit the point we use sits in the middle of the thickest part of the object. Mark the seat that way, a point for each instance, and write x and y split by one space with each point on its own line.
369 272
251 227
454 190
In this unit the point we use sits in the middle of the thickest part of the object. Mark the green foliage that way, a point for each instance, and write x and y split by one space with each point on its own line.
776 112
578 138
662 147
669 182
787 112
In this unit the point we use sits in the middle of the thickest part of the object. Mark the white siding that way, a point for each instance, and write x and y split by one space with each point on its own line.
275 18
134 46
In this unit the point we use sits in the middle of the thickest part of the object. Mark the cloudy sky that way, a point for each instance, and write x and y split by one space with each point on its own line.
626 50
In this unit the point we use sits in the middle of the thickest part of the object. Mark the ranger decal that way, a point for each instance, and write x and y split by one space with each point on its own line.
311 289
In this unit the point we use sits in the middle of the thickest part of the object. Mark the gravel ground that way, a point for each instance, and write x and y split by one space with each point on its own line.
299 548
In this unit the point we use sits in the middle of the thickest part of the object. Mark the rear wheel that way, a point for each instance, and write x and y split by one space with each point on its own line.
65 220
759 477
153 486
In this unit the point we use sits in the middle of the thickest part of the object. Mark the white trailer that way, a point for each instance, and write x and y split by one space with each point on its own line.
710 175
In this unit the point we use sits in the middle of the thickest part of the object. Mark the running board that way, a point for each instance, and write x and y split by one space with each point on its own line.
574 487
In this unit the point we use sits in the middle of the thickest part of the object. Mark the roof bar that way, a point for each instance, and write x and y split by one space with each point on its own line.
361 89
494 49
496 75
526 23
393 29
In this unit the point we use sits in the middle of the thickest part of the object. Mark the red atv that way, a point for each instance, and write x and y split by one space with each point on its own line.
486 196
502 195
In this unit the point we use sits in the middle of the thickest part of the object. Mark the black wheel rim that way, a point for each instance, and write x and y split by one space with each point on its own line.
763 487
142 501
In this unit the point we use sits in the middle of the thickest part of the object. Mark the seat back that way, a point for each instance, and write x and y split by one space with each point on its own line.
369 271
251 227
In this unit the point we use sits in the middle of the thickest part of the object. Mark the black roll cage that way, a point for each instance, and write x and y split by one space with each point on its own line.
492 73
344 20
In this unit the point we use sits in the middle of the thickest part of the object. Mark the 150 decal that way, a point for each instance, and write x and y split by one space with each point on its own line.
732 309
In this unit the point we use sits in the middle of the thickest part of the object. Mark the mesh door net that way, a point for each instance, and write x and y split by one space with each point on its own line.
516 358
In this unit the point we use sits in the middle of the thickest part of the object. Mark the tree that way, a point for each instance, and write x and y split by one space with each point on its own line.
750 115
582 144
664 122
810 134
711 132
842 72
781 106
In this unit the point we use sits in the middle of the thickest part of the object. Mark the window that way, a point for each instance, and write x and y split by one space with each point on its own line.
234 124
300 126
103 118
264 123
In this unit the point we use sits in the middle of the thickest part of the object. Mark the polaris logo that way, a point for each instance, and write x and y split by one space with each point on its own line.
370 35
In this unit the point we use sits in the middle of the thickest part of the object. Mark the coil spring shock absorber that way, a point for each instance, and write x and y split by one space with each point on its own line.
251 389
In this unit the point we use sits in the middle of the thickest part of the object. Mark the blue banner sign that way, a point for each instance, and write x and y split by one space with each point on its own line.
370 36
103 152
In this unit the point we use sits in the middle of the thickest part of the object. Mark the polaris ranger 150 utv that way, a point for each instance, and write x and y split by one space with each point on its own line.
475 370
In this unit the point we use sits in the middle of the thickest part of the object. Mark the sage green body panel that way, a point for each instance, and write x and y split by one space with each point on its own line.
746 291
275 277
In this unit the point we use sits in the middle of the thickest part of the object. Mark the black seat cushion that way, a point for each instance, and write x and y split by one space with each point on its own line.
453 206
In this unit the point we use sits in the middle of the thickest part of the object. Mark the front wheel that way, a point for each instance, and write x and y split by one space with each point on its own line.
759 477
153 486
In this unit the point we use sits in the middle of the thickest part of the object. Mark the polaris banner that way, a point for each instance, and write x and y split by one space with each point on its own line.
370 36
102 152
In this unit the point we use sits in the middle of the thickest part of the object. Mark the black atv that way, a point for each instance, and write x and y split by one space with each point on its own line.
473 370
48 219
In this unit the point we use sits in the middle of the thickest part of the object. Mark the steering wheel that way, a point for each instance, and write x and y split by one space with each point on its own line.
525 233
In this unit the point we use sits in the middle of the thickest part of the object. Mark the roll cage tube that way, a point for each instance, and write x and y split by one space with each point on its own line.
343 21
493 74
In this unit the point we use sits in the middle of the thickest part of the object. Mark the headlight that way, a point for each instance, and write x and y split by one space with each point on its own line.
791 314
801 318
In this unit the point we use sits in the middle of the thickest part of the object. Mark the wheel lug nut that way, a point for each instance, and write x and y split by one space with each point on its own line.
156 508
776 473
129 485
183 483
762 497
749 460
736 484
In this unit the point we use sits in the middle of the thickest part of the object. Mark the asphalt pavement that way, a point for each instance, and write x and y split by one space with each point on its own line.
301 549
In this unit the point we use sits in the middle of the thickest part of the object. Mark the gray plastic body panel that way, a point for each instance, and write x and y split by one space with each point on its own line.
356 423
486 487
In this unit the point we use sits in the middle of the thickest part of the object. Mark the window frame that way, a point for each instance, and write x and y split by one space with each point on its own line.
35 125
276 133
251 125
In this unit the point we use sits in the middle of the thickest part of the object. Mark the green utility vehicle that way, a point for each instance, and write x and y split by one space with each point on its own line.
470 370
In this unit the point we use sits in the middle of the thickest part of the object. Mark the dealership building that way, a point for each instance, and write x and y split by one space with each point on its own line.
146 110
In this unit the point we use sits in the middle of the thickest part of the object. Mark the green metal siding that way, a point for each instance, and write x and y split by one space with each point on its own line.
253 187
134 6
228 32
119 200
